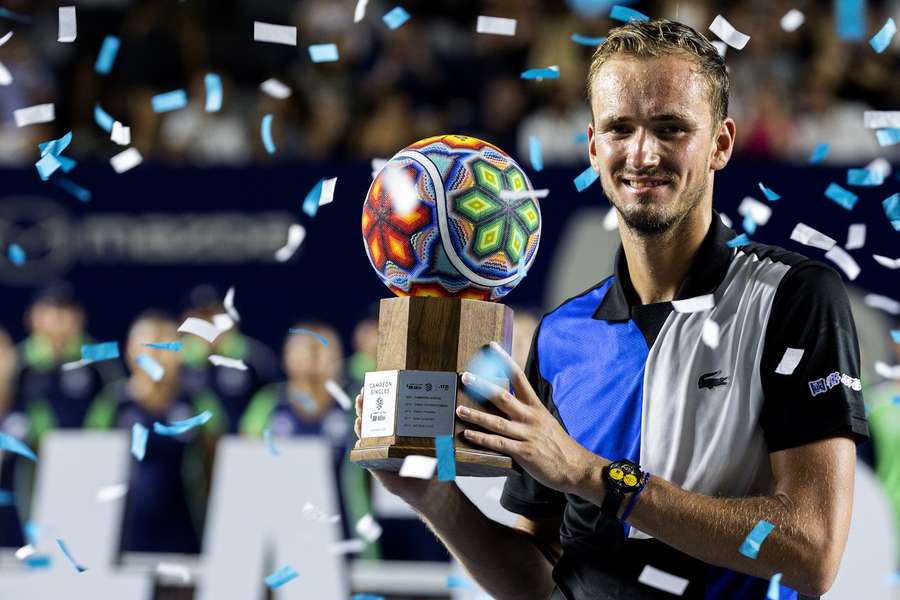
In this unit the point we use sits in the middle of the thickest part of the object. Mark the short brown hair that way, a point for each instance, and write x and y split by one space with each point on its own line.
658 37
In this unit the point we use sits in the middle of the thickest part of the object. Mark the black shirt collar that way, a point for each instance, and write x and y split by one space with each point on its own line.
706 273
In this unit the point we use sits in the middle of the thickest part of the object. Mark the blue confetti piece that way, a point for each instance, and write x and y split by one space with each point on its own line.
16 446
864 177
819 153
585 179
65 550
774 587
894 400
66 164
891 206
770 195
587 41
895 334
103 351
623 13
843 197
169 101
366 597
38 561
73 188
881 40
32 532
318 336
738 241
455 582
171 346
749 224
888 136
179 427
753 541
581 138
8 14
103 118
148 364
46 166
55 147
850 19
139 435
545 73
534 153
213 85
7 498
311 202
16 255
319 53
395 17
281 577
265 132
446 457
270 443
107 55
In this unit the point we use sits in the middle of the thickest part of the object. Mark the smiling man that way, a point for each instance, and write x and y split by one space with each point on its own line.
647 443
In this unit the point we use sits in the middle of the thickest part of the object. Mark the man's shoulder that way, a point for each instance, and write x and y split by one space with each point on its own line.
583 300
802 277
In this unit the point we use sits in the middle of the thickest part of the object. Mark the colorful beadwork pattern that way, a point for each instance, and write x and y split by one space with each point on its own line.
462 238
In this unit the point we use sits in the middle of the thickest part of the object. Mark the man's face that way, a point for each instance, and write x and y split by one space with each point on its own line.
652 140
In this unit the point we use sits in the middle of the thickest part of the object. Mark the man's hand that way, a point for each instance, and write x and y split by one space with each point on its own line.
529 433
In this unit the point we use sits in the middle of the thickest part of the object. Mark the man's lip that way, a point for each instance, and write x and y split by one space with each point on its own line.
660 180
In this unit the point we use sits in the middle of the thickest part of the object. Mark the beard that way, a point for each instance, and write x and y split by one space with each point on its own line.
646 218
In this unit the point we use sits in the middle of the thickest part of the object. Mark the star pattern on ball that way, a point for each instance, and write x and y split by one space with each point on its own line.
387 233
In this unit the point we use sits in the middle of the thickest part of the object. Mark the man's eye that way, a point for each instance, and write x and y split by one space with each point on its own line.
619 129
671 130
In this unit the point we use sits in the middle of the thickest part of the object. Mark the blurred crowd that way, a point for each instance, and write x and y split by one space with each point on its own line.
434 74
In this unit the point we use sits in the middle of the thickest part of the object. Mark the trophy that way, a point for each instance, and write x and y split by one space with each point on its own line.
451 224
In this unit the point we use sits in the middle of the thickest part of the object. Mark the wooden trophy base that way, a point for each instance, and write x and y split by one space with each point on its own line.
440 336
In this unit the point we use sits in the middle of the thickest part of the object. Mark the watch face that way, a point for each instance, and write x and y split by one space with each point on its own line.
625 475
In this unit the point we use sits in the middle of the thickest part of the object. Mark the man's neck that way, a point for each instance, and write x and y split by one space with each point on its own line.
658 264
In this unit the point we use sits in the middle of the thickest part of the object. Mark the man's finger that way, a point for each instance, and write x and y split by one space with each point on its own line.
494 423
493 442
498 396
516 375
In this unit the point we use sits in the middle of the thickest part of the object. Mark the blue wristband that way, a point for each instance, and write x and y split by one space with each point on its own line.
633 501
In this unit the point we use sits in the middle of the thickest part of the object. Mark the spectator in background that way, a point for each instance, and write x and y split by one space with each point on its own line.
365 348
166 490
54 395
13 422
232 387
525 323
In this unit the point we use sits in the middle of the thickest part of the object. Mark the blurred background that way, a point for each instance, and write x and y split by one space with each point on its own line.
209 208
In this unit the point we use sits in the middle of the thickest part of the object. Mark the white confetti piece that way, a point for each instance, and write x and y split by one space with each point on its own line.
200 328
368 528
338 393
418 467
758 211
496 25
6 37
880 167
68 28
223 322
611 220
808 236
884 261
377 166
726 220
882 303
224 361
792 20
663 581
789 361
401 189
728 34
327 195
296 234
229 305
511 195
352 546
5 75
710 333
721 47
359 13
887 371
126 160
692 305
25 551
880 119
856 236
275 88
30 115
77 364
112 492
120 134
174 571
311 512
276 34
840 257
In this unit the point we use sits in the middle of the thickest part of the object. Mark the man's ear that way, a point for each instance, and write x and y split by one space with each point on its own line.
723 144
592 151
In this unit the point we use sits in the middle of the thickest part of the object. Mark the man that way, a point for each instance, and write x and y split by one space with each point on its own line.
732 431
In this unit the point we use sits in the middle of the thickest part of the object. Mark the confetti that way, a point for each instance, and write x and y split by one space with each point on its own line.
368 528
228 303
418 467
751 544
313 199
15 254
359 12
895 335
16 446
25 551
881 40
179 427
265 132
319 53
585 179
878 119
77 364
696 304
842 197
881 167
46 166
338 393
539 74
169 101
663 581
6 37
223 322
623 13
581 138
139 435
5 75
738 241
224 361
856 236
126 160
808 236
710 333
887 371
7 498
351 546
213 85
311 512
314 334
819 153
495 25
68 29
327 196
275 34
850 17
726 220
366 597
121 135
758 211
792 20
38 561
459 583
891 206
171 346
587 41
840 257
884 303
296 234
102 351
112 492
884 261
275 88
770 195
148 364
281 577
395 17
511 195
401 188
107 55
65 550
789 361
270 444
888 137
749 224
200 328
774 592
103 119
31 115
446 457
864 177
173 570
534 153
728 34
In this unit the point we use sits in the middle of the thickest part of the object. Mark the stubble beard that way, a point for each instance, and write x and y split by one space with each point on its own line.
647 220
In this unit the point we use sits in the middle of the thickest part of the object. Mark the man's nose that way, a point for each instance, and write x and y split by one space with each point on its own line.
642 150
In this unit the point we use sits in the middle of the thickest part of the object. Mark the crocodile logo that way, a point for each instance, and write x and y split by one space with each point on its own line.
709 380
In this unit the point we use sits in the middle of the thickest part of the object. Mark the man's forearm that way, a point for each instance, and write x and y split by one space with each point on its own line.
503 560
